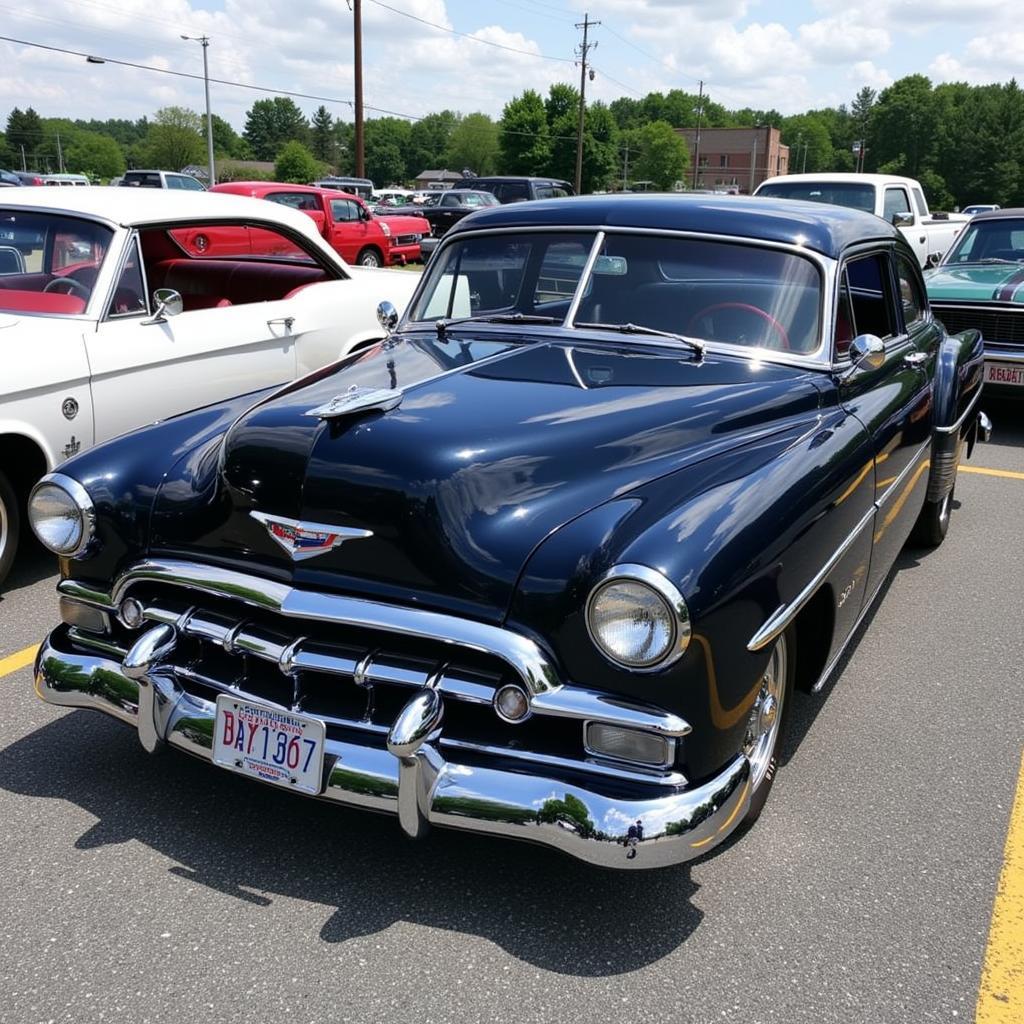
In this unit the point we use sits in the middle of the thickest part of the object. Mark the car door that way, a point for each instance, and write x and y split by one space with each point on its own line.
349 231
145 368
894 399
896 201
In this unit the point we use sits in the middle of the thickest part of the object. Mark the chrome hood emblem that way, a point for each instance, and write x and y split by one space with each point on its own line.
357 399
307 540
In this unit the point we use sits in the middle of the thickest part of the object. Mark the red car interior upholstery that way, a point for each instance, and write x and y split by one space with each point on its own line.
24 301
207 283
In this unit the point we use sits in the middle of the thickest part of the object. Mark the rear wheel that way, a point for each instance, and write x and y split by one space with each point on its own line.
10 526
766 724
370 257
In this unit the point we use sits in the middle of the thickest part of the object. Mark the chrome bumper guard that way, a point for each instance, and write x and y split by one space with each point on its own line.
606 815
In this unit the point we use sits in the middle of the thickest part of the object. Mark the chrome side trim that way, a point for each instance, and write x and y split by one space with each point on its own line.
781 618
897 484
963 416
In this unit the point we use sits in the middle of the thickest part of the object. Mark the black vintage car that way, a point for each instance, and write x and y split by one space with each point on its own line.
548 562
449 207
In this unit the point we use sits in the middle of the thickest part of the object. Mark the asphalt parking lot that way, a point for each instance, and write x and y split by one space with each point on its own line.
157 889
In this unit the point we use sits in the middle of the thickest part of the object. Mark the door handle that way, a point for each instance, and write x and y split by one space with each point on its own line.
284 321
915 359
923 239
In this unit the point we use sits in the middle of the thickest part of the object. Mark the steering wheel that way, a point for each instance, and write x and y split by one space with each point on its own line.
72 285
745 307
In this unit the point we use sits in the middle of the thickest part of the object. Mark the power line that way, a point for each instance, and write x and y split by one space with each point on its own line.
467 35
649 56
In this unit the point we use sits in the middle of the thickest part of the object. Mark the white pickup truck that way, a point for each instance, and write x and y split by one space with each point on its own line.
898 200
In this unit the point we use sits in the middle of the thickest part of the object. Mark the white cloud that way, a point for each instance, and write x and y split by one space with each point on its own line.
864 72
994 57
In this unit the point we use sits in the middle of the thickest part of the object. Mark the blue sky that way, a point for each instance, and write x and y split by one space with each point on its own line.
791 56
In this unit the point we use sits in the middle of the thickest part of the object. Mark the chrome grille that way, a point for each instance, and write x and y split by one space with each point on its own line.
996 325
405 239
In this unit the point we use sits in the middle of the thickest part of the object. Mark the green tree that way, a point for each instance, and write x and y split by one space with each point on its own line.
600 148
385 143
226 141
904 127
474 144
525 139
322 135
663 155
174 139
861 110
24 128
429 142
295 163
94 154
270 123
562 111
809 141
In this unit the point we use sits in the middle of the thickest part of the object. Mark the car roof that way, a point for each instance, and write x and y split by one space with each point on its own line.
825 229
517 177
836 177
138 207
1013 212
240 187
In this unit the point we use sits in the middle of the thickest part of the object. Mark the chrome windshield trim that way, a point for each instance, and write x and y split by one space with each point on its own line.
819 359
534 667
954 427
581 284
780 619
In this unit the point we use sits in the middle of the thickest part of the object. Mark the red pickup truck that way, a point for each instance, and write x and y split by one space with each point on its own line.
345 221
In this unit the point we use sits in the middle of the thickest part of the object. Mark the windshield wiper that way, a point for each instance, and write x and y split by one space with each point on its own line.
697 346
999 259
442 325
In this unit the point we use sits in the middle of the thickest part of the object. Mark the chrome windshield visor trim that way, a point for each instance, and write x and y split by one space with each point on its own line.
779 620
645 824
962 418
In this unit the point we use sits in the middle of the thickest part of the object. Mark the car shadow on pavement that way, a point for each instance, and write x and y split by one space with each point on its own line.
253 843
31 565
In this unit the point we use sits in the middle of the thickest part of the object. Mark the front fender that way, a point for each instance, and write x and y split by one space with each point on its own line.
959 373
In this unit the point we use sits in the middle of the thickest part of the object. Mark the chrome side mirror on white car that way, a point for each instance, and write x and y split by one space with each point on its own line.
168 302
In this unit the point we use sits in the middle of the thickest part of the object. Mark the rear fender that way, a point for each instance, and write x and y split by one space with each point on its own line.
959 371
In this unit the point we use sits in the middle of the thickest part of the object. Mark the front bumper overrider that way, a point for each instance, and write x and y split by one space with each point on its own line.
422 779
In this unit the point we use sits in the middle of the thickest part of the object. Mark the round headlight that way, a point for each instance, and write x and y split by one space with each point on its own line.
637 618
62 515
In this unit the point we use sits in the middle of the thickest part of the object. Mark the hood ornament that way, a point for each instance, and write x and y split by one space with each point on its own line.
357 399
307 540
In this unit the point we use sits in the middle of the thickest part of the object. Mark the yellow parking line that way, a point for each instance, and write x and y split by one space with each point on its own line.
1001 998
15 661
992 472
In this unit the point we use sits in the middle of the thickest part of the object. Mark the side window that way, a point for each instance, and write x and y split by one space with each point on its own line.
449 200
173 181
870 303
296 200
922 206
560 271
910 292
515 192
344 210
895 202
130 294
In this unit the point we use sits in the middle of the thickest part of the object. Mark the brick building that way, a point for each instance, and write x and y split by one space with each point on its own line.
737 158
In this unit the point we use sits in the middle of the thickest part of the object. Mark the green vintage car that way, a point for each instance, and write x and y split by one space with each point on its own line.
980 283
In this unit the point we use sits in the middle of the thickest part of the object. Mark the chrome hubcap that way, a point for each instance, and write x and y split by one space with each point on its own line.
765 715
944 508
3 528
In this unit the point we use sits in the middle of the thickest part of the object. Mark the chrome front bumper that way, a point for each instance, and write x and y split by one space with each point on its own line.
422 782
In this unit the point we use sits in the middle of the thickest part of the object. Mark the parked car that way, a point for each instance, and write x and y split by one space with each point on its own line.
550 561
447 208
977 208
345 221
66 179
361 187
29 177
8 179
980 283
161 179
519 189
898 200
114 313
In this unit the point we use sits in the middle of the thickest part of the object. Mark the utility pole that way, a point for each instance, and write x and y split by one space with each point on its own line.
696 142
583 51
753 159
60 156
205 42
357 41
625 168
24 167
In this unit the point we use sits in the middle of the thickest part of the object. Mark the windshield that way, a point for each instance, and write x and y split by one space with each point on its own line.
838 193
49 262
996 240
714 291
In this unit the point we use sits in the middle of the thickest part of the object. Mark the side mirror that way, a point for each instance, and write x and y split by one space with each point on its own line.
364 213
903 219
168 302
867 351
387 316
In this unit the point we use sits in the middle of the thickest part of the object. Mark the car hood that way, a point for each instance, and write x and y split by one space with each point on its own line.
989 282
495 445
405 223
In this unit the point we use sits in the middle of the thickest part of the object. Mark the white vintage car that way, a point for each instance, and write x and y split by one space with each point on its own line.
119 307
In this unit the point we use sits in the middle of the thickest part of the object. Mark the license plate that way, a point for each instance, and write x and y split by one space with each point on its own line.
1004 373
269 744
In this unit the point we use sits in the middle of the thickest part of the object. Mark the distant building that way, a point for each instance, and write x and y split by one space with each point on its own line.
438 179
738 158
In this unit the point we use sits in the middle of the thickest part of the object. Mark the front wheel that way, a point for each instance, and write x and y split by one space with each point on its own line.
10 526
369 257
766 725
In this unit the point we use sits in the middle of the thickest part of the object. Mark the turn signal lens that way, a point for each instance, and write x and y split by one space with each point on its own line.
511 704
628 745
